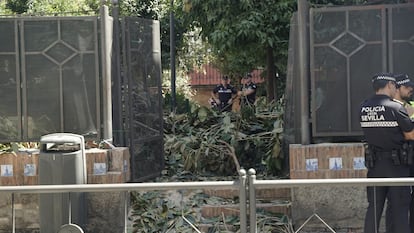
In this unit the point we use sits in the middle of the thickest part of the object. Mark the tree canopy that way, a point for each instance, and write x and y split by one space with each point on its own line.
245 34
46 7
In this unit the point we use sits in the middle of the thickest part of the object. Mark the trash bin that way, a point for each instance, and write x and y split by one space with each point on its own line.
62 161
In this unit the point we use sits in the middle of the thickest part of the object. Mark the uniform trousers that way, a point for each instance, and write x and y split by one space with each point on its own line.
388 225
399 196
225 107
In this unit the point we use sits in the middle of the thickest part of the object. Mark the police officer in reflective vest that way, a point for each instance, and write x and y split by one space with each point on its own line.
404 91
386 128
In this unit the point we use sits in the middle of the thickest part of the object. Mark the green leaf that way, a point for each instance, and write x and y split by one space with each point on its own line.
202 114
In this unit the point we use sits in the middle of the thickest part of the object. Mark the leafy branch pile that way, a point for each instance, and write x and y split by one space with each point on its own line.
209 143
157 212
204 143
14 147
154 213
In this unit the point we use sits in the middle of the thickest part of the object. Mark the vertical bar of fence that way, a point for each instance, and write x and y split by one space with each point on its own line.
243 201
303 9
126 211
252 200
13 214
106 34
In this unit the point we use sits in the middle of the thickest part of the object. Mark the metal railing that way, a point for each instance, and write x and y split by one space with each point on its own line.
247 186
77 188
254 184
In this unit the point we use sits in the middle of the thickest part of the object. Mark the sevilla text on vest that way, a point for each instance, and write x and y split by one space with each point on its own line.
372 118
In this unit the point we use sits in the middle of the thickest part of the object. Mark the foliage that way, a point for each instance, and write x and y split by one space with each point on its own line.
196 145
14 147
157 211
213 143
246 34
150 9
17 6
160 10
182 103
153 213
47 7
269 223
183 93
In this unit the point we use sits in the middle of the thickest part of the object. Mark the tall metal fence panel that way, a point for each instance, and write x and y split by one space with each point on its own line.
401 39
348 45
49 74
142 56
10 99
293 113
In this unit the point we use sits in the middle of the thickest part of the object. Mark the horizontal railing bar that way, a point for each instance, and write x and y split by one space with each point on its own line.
289 183
234 185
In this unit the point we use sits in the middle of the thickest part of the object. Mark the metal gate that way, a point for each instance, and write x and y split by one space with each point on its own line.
49 75
348 45
142 69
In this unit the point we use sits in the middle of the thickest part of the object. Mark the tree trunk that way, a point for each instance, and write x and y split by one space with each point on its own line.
270 76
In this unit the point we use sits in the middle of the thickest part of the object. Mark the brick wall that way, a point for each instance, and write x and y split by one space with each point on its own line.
327 160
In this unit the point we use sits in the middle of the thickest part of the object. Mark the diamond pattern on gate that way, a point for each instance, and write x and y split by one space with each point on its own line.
348 43
60 52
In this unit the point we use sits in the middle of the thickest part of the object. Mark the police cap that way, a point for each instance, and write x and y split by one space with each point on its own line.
384 76
403 80
248 75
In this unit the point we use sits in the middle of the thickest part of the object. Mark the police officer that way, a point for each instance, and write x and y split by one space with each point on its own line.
403 93
223 94
248 91
386 127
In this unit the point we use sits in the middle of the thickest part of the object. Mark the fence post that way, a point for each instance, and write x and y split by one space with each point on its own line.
303 14
106 37
252 200
243 201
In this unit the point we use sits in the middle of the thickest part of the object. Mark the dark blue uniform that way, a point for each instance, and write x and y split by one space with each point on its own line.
383 122
249 99
224 94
